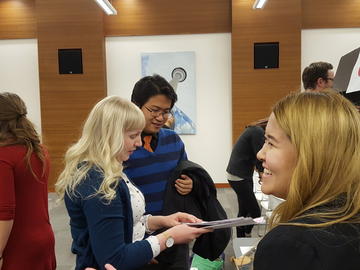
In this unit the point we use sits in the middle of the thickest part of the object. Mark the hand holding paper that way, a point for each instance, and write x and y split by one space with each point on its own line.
228 223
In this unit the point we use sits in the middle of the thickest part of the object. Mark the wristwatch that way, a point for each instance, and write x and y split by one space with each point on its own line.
169 242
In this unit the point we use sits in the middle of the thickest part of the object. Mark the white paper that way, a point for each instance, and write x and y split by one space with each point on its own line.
245 249
354 83
227 223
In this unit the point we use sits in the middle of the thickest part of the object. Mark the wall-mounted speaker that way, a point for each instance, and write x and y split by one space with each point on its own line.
266 55
70 61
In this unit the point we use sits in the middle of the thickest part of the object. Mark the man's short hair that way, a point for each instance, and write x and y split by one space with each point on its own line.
150 86
313 72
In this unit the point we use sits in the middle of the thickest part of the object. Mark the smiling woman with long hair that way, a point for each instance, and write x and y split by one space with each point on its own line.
26 237
311 158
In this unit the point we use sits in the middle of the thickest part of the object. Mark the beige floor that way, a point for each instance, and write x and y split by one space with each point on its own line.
60 223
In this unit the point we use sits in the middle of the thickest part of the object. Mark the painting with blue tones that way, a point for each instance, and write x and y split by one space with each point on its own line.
179 69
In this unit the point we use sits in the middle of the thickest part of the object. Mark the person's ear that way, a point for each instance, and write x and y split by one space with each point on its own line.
320 82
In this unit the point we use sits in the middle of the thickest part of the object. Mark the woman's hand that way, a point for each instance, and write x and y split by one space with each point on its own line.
178 218
181 234
158 222
184 234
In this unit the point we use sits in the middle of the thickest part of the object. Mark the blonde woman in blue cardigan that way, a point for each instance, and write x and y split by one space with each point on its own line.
106 210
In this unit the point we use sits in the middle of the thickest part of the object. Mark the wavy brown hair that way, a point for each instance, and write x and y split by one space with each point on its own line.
16 128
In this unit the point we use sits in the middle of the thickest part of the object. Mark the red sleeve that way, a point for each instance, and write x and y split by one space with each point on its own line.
7 191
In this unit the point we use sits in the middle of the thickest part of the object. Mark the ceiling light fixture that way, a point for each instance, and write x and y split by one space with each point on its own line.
259 4
107 7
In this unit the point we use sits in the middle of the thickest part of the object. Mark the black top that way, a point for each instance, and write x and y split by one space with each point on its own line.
295 247
243 156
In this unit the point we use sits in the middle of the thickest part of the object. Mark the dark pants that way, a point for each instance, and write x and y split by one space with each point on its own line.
248 205
174 258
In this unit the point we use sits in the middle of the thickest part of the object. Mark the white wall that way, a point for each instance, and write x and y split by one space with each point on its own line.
19 73
327 45
211 146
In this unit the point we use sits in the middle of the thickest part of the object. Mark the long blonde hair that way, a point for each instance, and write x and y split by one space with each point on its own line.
99 145
325 129
16 128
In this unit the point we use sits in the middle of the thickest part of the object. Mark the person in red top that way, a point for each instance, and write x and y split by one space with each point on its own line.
26 237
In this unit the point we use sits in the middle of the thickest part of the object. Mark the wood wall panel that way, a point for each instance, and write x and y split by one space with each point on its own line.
67 99
254 91
330 13
17 19
159 17
154 17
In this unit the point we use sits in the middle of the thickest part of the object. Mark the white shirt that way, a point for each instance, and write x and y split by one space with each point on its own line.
139 219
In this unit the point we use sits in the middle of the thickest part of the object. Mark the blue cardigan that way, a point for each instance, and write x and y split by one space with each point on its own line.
101 231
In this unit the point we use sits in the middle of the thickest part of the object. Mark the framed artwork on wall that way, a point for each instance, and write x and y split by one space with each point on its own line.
179 69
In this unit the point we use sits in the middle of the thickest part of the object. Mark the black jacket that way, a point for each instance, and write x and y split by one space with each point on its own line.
297 247
200 202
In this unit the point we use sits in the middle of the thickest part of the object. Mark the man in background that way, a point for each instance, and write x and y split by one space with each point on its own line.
318 76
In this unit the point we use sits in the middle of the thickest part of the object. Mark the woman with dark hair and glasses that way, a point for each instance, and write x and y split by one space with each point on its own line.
26 237
152 164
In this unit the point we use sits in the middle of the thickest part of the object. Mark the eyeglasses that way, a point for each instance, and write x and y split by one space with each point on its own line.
157 112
